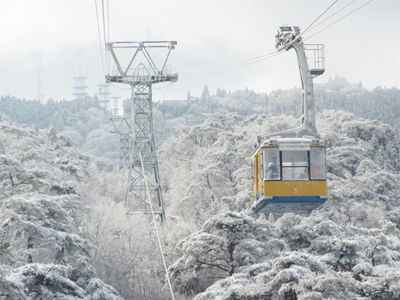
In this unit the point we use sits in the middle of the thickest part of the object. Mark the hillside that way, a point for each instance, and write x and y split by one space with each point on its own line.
86 123
348 248
64 232
42 252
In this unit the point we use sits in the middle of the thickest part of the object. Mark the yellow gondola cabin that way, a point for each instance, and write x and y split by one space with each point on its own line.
289 169
289 175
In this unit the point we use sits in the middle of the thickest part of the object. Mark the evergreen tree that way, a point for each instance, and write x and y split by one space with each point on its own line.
205 93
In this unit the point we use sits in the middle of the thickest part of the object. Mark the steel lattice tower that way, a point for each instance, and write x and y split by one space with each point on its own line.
137 148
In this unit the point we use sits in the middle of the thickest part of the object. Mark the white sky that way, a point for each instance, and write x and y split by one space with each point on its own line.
61 37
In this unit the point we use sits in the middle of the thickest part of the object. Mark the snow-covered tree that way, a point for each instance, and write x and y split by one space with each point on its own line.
338 251
53 201
42 255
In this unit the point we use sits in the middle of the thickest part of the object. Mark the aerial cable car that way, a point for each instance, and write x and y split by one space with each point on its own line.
289 167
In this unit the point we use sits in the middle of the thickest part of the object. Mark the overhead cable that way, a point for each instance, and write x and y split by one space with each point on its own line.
333 15
118 87
340 19
156 228
300 36
165 95
330 6
104 30
264 56
99 34
250 61
108 36
247 62
238 66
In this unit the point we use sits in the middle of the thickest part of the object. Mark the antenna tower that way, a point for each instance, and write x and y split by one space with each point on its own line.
80 87
138 154
103 95
115 109
39 95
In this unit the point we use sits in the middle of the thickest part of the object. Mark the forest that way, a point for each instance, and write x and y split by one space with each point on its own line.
64 233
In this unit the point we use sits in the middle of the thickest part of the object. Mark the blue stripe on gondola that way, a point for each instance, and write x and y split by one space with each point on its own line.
283 204
295 199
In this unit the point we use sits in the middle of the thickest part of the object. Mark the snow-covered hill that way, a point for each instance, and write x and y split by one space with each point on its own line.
347 249
42 255
62 221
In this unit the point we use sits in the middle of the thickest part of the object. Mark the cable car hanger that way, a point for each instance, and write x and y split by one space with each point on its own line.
289 167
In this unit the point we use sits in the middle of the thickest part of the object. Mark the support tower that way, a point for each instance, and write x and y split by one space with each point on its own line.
138 153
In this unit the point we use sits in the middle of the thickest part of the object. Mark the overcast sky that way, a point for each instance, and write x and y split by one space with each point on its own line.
61 37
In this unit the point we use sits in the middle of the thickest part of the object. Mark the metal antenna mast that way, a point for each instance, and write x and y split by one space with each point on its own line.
115 106
39 95
103 92
80 87
136 130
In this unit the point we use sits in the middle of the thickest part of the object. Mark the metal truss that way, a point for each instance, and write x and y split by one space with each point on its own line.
149 72
137 148
144 146
122 126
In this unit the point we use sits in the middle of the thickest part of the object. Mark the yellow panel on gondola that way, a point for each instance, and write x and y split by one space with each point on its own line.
294 188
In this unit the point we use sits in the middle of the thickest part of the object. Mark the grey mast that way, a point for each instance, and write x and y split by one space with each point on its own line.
289 37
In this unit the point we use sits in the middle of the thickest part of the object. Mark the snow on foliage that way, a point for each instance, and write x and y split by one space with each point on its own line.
313 261
208 165
226 243
41 254
346 249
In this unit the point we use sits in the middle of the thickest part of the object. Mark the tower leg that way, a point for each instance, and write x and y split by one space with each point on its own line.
144 180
